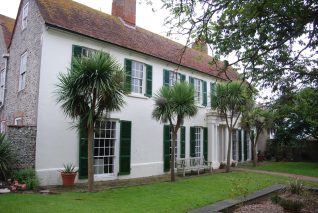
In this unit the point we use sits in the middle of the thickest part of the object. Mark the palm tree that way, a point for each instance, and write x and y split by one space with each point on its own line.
172 105
258 119
228 99
92 86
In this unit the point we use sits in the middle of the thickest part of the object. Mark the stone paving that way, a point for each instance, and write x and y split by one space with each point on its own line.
226 204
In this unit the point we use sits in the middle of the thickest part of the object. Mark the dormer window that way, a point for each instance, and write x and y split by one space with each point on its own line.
25 15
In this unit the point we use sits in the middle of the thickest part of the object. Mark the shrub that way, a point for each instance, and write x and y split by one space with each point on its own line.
222 165
7 157
276 199
234 164
27 176
296 187
291 205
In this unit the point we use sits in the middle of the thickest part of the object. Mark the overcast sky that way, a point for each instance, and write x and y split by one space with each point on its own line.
146 18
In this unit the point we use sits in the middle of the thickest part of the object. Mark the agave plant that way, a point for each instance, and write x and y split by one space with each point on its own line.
7 157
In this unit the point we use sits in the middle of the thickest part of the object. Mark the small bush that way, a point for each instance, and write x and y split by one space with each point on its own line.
234 164
276 199
291 205
27 176
222 165
296 187
7 157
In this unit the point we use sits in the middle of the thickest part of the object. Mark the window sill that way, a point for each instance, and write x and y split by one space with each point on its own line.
200 106
135 95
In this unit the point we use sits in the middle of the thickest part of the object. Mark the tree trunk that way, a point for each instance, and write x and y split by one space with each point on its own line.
172 160
229 148
90 159
254 154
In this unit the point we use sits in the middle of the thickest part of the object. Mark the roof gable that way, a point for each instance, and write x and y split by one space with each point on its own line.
78 18
7 25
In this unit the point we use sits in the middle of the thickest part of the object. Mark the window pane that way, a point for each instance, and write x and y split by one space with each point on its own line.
104 149
137 77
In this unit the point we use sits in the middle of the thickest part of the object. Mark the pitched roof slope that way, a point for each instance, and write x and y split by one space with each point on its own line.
78 18
7 25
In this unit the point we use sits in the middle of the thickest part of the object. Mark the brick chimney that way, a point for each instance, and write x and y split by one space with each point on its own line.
200 45
125 9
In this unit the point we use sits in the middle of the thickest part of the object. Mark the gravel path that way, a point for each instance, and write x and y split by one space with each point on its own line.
300 177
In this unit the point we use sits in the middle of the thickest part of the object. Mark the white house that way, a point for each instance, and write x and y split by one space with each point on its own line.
130 143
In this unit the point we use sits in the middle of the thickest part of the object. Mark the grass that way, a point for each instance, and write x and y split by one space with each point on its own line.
299 168
181 196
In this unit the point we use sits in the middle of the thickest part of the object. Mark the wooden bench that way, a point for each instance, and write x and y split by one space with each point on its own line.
193 164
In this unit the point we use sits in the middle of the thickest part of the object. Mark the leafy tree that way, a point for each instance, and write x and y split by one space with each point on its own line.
172 105
228 99
256 118
296 115
92 86
277 39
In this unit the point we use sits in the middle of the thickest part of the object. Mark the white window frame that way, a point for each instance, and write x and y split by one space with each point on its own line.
174 77
177 148
23 70
25 12
114 147
141 78
17 120
2 85
87 52
198 91
198 150
3 127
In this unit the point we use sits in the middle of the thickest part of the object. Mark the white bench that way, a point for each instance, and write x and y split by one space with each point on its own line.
196 164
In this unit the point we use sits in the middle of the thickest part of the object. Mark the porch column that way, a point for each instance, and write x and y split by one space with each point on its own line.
216 144
226 143
210 142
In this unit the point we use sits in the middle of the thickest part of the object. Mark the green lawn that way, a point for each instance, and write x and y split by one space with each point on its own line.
181 196
299 168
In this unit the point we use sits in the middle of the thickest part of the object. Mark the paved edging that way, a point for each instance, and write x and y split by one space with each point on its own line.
226 204
300 177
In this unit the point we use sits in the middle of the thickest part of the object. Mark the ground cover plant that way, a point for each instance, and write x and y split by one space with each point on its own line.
299 168
181 196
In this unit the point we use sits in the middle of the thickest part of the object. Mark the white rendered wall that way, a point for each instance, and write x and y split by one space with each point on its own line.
57 141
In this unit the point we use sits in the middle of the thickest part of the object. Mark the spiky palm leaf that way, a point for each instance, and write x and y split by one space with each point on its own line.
7 157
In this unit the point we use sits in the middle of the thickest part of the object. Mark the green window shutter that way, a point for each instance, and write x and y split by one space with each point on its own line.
245 145
240 144
166 74
182 77
205 94
192 141
166 148
148 81
77 51
83 159
205 143
124 149
182 142
128 65
191 80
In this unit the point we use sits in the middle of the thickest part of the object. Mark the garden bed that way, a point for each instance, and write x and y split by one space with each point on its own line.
307 199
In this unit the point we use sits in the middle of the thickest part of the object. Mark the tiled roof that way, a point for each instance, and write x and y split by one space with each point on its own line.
78 18
7 25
